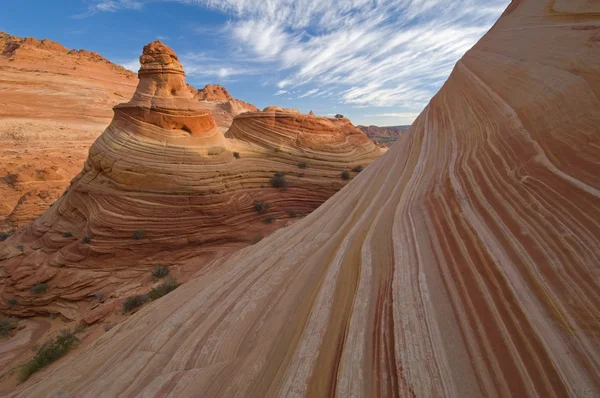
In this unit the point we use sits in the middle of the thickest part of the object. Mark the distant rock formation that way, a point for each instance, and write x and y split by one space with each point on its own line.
162 184
214 93
462 263
384 136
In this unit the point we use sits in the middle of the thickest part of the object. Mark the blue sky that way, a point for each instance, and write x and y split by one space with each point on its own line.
375 61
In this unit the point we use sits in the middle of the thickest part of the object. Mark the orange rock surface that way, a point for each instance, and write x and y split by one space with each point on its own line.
161 185
463 262
54 102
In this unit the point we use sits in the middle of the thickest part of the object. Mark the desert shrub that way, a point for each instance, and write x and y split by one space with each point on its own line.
6 325
86 239
99 296
134 302
256 238
139 234
48 352
160 271
345 175
12 302
164 288
236 155
269 219
6 234
279 181
67 235
302 165
39 288
339 116
358 169
261 207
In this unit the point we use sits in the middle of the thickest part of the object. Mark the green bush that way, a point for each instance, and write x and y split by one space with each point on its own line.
256 238
165 288
6 234
39 288
134 302
6 325
48 352
160 271
261 207
139 234
67 235
269 219
12 302
236 155
302 165
86 239
339 116
358 168
345 175
279 181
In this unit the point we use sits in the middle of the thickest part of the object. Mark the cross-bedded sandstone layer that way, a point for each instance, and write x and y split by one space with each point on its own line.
464 262
162 184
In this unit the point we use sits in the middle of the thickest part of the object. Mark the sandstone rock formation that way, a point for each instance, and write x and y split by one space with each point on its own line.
221 104
464 262
161 185
54 103
384 136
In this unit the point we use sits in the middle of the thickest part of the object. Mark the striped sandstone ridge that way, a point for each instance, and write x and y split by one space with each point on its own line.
54 103
160 185
463 262
318 139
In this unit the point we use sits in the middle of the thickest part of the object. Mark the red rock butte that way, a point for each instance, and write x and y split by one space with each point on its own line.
463 262
162 185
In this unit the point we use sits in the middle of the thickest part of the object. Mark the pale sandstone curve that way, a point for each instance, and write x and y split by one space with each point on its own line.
464 262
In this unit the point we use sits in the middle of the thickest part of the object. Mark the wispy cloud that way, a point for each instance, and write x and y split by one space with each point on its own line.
133 65
362 53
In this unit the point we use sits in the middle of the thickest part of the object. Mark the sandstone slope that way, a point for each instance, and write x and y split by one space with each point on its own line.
464 262
222 105
162 184
384 136
53 104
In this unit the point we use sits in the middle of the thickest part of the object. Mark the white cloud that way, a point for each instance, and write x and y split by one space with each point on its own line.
133 65
281 92
376 53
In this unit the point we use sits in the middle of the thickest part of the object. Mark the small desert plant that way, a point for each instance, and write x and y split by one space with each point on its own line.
339 116
256 238
165 288
345 175
139 234
6 234
358 169
236 155
67 235
302 165
6 325
134 302
48 352
39 288
12 302
86 239
160 271
269 219
279 181
99 296
261 207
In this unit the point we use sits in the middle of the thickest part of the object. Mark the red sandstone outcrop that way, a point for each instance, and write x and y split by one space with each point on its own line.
55 103
161 185
384 136
214 93
462 263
